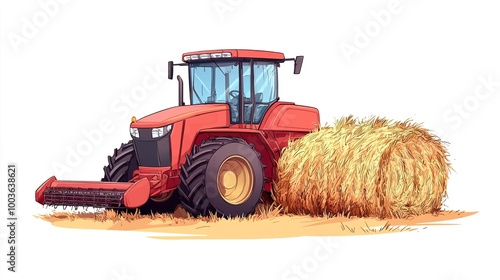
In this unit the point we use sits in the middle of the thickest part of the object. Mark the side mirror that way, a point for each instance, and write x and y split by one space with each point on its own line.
298 64
170 70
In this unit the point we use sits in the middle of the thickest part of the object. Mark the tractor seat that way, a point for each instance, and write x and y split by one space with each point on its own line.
260 109
233 105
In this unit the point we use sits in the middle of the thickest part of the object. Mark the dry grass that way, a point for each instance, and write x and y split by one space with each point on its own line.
365 168
268 222
386 228
178 217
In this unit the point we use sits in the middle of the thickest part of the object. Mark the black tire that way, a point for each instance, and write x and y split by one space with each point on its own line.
121 167
198 189
122 164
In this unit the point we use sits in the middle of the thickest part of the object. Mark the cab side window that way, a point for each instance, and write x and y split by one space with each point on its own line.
265 85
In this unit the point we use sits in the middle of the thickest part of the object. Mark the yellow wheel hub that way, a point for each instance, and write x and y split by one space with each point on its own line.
235 180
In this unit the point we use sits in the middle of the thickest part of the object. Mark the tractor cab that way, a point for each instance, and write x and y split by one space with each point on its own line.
246 80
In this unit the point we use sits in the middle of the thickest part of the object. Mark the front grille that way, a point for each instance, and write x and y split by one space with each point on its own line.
152 152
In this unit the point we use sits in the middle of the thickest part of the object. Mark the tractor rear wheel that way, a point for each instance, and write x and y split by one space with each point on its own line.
121 167
224 176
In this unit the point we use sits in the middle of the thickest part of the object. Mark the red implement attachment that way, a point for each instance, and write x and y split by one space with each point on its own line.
93 194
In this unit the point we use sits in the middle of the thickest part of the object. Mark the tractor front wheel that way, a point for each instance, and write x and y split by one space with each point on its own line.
224 176
120 168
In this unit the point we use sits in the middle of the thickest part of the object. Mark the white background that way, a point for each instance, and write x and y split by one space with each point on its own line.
64 77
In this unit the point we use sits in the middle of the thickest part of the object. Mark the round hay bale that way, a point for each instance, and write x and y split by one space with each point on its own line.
372 167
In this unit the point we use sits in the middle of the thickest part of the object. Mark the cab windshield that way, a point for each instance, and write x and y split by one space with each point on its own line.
219 82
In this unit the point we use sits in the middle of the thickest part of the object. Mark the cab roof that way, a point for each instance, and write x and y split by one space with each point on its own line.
231 53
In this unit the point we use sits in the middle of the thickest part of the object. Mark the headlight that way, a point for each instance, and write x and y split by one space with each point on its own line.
157 132
134 132
160 131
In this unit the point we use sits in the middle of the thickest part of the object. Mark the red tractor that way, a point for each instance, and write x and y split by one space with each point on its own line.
217 155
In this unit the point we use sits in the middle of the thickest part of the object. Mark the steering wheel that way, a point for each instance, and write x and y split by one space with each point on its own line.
234 93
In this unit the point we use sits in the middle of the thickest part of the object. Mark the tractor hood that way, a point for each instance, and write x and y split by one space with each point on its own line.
175 114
